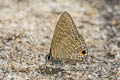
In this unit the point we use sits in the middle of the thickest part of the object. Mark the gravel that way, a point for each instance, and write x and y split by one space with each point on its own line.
26 29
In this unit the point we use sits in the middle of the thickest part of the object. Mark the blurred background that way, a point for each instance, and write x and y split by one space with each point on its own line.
26 30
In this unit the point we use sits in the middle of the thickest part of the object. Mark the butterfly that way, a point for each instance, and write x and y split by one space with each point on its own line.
67 44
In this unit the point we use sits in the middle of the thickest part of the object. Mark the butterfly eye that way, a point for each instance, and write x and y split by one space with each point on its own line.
48 57
84 52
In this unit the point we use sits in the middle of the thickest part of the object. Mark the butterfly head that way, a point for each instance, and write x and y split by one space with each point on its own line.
48 57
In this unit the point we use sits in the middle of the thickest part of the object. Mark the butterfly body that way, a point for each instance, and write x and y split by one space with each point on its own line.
67 44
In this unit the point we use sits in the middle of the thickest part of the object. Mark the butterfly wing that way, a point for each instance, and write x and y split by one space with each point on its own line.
64 38
73 48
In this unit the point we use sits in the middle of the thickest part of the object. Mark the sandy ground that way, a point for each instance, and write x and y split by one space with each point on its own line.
26 30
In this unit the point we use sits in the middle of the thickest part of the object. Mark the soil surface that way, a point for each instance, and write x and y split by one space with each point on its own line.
27 27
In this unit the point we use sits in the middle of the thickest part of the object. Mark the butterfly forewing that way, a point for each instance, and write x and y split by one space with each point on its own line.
64 28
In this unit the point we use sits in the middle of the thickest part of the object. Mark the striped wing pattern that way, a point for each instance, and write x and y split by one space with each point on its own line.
67 44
